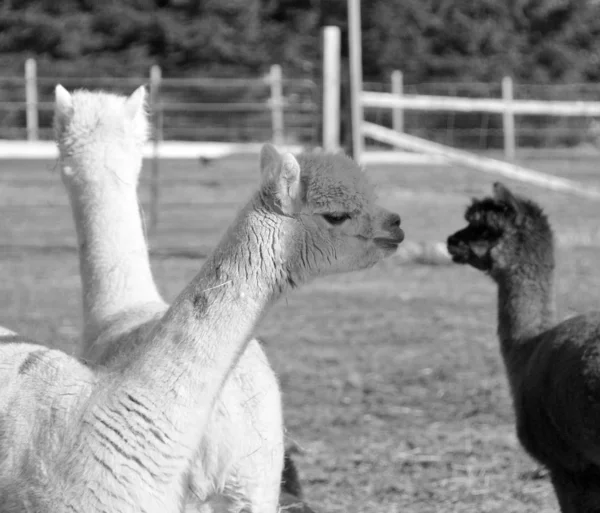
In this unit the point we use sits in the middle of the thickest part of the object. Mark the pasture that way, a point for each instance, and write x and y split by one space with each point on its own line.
394 390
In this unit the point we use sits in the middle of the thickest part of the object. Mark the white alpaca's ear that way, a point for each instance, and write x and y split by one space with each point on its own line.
63 109
136 102
503 194
63 101
270 159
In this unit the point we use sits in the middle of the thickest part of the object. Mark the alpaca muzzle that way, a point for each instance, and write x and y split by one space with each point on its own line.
393 236
458 249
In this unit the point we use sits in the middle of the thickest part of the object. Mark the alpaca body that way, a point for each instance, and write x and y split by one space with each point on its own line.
122 305
242 437
66 446
553 369
239 463
558 401
43 391
76 440
557 407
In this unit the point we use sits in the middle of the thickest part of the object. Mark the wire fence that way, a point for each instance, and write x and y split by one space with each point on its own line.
252 109
288 110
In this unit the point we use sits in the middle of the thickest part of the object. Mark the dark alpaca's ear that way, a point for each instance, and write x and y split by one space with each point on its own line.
503 194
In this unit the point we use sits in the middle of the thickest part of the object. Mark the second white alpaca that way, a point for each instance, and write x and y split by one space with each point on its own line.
100 138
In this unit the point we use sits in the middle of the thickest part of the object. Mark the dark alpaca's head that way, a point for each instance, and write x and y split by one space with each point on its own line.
506 233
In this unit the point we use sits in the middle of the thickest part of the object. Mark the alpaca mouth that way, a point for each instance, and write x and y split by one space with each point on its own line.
390 243
464 255
459 259
458 254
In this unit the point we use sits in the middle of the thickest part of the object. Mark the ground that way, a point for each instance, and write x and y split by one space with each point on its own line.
394 389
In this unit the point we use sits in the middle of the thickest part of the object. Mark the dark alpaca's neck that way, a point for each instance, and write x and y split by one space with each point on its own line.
525 308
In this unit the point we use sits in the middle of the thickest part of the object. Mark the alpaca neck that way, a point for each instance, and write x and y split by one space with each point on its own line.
525 307
201 337
113 254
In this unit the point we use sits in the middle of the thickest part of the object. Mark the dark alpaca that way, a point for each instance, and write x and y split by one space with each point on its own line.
553 369
291 498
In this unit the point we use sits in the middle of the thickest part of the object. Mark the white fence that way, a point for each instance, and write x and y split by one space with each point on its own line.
507 106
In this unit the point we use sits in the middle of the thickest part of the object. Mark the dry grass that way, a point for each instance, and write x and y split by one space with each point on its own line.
394 389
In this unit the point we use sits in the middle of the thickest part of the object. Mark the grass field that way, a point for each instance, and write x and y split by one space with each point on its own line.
394 390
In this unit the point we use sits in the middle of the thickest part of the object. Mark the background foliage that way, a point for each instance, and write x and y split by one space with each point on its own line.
430 40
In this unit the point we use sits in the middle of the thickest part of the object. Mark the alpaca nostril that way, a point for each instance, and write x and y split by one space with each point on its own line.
394 221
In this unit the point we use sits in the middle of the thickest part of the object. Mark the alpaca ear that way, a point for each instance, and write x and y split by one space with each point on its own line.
288 183
503 194
280 176
63 109
63 101
270 159
136 102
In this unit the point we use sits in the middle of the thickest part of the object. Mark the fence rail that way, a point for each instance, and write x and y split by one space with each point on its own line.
481 115
458 104
272 107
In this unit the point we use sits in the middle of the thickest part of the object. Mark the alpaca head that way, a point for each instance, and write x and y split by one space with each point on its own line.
328 207
98 133
506 233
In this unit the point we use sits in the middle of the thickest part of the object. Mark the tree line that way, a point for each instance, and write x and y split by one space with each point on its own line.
429 40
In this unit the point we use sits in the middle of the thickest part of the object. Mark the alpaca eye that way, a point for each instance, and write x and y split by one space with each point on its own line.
489 233
337 218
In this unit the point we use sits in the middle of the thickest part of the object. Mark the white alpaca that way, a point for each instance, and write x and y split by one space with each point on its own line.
123 440
100 138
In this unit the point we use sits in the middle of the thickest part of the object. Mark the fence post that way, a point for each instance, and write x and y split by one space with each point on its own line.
276 101
157 135
331 88
508 119
31 99
397 90
356 85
